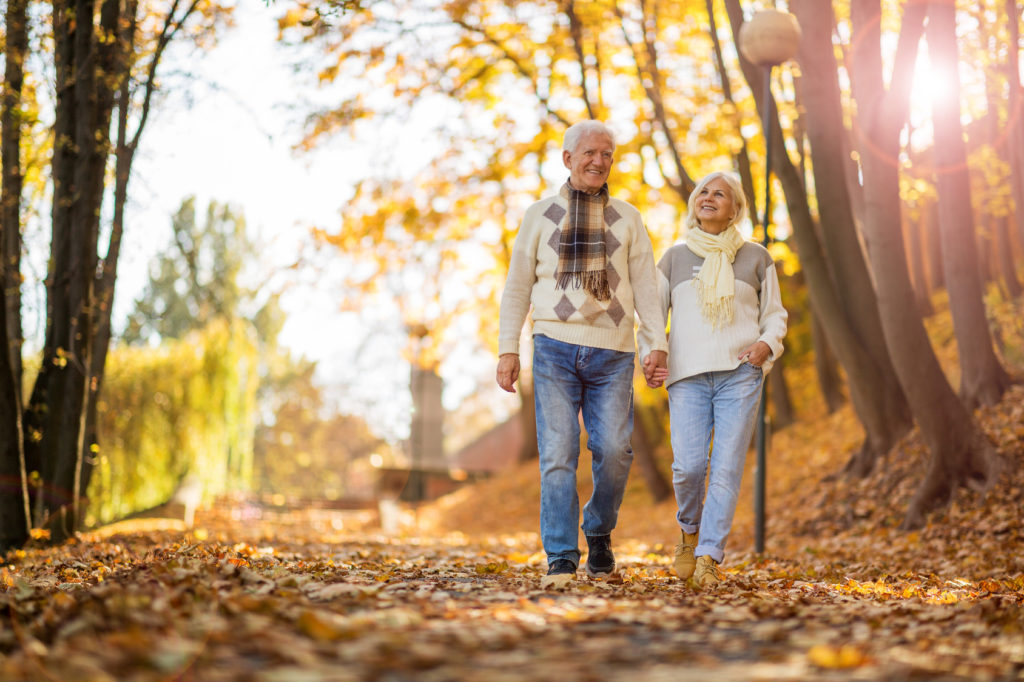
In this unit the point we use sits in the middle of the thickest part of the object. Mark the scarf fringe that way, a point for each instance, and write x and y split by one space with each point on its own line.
594 283
717 311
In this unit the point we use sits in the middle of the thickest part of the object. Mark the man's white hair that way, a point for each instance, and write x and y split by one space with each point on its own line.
577 130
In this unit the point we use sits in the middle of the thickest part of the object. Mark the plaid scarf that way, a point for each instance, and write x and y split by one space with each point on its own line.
581 250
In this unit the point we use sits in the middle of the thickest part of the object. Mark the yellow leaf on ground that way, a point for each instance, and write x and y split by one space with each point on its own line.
321 626
827 656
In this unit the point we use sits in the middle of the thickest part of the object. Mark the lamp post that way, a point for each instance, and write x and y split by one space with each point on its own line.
770 38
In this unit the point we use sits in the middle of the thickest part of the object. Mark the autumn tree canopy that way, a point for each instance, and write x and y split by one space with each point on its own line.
489 87
896 156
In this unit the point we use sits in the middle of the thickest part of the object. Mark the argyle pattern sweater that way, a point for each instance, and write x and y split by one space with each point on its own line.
572 315
695 346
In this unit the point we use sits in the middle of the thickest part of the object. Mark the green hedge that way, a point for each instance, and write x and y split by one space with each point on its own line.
186 407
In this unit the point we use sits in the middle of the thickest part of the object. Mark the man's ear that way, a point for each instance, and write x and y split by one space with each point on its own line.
565 158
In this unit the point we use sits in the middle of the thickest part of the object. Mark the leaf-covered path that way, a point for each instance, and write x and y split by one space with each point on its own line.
286 606
841 594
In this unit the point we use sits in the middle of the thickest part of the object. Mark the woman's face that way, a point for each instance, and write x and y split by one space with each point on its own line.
714 207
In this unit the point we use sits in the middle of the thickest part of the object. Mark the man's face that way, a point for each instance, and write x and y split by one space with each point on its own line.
590 163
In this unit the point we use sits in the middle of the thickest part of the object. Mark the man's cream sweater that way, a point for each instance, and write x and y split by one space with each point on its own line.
572 315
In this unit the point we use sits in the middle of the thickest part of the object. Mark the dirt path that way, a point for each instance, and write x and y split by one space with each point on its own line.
168 606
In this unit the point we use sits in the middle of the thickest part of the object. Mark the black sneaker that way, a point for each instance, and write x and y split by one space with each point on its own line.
560 572
600 560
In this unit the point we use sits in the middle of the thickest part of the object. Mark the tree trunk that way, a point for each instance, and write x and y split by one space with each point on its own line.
85 84
933 245
826 368
1005 254
866 381
983 378
984 248
841 240
106 277
643 455
912 228
46 401
853 186
92 61
15 52
13 490
528 421
1001 236
1015 133
14 521
13 494
778 394
959 452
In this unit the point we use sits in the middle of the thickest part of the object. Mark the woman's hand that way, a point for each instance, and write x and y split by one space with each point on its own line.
756 353
655 368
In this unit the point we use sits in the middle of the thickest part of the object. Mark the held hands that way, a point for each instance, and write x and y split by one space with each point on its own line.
508 371
655 368
756 353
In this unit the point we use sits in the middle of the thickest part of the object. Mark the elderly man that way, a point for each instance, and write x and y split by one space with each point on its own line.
583 260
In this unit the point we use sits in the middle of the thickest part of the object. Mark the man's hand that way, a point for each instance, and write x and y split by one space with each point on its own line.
756 353
656 368
508 371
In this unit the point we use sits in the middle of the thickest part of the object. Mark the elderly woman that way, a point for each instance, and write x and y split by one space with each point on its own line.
727 325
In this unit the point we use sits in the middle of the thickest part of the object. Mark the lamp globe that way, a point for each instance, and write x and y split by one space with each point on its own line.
771 37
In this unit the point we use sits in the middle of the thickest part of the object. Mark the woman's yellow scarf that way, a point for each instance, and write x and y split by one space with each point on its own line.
716 283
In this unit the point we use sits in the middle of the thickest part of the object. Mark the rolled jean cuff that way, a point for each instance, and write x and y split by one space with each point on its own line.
713 552
572 557
689 528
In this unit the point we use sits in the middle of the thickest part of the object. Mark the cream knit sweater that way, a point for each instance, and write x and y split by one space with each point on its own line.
572 315
695 346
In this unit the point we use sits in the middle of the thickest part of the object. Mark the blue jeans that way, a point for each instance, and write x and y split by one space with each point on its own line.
725 403
567 379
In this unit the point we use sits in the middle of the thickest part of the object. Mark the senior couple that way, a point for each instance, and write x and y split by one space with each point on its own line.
583 262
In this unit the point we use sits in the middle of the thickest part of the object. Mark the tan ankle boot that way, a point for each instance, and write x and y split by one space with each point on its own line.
685 562
706 574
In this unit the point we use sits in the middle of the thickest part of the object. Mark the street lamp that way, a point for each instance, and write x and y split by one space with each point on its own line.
770 38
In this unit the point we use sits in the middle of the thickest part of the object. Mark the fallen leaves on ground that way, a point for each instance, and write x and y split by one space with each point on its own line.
280 602
840 592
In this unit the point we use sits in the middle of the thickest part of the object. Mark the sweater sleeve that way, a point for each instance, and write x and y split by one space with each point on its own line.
773 316
515 299
664 297
643 278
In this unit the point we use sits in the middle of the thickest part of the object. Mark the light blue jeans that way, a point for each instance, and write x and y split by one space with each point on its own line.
725 404
567 379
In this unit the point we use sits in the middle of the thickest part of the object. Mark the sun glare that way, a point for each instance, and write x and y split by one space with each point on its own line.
932 84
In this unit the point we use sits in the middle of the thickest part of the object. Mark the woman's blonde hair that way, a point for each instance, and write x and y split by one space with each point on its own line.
739 198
